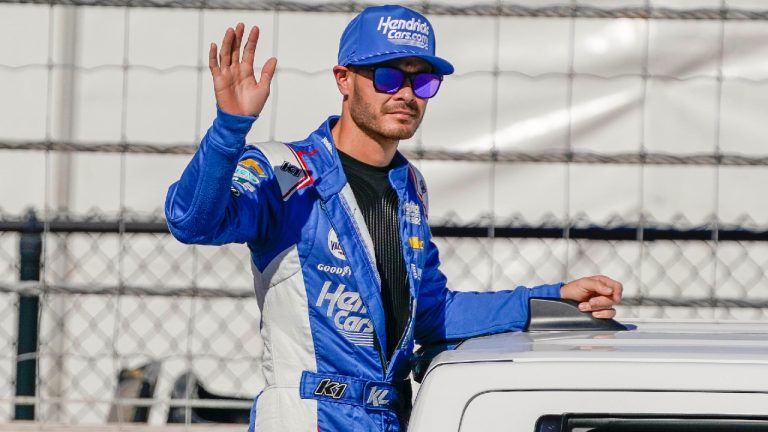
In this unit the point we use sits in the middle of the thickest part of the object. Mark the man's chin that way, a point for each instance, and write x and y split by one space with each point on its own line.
401 133
401 130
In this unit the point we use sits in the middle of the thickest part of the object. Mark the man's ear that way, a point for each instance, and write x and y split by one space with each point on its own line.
343 77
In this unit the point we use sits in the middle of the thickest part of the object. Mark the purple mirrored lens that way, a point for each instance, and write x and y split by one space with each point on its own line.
426 85
388 80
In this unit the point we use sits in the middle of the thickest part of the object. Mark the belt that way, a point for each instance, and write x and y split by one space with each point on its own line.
373 395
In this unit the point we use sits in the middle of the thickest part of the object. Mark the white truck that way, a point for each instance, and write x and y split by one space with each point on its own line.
569 372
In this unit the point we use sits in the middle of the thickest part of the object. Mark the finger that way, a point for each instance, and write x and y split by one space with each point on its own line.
602 302
250 46
239 29
599 286
590 287
213 61
268 71
604 314
617 293
225 55
617 287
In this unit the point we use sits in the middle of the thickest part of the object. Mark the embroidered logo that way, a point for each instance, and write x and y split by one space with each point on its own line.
334 246
416 243
245 178
412 213
252 164
415 271
349 315
414 32
329 388
292 169
327 144
341 271
378 397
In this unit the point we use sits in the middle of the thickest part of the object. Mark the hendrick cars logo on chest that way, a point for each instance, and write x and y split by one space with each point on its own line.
405 32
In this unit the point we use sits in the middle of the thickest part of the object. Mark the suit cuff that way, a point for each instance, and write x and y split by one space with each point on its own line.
229 130
547 291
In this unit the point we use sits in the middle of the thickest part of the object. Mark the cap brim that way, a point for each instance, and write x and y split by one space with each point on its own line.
439 66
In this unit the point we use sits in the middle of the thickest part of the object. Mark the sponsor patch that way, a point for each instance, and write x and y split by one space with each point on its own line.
412 212
245 184
252 164
245 175
330 388
415 271
414 31
334 246
421 188
296 174
416 243
327 144
289 168
292 169
349 315
341 271
378 397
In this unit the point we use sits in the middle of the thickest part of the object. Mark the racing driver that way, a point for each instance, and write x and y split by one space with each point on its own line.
345 272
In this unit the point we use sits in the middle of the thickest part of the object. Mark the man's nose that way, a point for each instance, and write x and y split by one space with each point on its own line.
406 91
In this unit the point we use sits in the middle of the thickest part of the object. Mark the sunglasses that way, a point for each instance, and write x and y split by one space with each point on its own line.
389 80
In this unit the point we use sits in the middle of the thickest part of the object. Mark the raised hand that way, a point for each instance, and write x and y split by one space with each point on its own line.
596 294
236 88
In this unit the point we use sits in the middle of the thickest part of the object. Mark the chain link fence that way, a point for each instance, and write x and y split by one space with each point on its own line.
117 300
120 299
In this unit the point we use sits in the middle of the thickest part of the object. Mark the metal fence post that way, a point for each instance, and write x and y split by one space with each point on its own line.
30 248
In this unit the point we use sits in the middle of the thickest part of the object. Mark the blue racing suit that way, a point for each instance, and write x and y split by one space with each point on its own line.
315 276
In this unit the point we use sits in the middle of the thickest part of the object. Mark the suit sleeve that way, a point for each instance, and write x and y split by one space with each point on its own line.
444 315
206 205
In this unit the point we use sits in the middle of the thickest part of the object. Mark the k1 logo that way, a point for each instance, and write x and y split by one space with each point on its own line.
329 388
292 169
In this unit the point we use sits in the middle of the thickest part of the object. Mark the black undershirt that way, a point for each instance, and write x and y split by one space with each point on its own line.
379 204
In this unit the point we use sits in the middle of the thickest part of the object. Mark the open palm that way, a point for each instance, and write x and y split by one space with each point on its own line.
234 83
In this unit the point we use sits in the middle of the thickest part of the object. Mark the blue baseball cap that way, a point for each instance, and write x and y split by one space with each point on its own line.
382 33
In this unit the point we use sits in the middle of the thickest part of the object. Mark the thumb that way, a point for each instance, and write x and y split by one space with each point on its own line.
268 71
604 290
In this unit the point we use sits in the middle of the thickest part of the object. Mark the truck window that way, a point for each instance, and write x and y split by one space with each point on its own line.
649 423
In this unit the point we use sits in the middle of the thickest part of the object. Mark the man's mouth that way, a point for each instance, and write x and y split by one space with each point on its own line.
406 113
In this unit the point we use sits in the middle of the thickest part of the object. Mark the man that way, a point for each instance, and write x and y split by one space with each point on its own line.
345 272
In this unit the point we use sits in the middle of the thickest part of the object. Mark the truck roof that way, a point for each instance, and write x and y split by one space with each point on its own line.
646 341
673 367
568 363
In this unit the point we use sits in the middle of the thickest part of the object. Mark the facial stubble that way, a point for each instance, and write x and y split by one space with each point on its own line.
370 119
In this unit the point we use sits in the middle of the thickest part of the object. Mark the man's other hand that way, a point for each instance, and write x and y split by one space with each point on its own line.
596 294
237 91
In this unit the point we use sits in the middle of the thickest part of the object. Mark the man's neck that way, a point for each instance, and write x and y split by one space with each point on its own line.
355 142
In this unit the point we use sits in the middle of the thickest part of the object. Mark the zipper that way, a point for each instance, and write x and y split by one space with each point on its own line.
376 342
407 328
412 314
382 357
